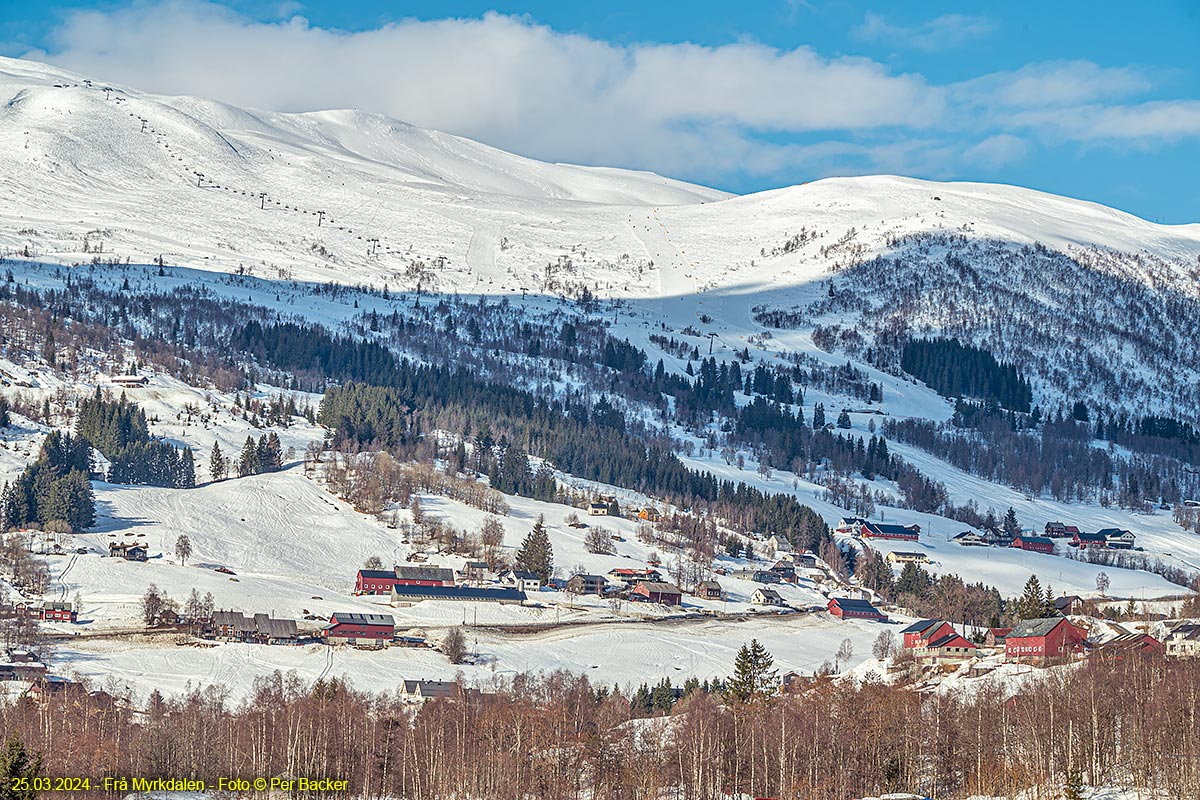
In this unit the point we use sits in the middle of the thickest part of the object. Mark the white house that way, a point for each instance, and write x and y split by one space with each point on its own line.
764 596
525 581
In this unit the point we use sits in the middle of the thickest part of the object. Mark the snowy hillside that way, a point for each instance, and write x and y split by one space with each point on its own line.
465 255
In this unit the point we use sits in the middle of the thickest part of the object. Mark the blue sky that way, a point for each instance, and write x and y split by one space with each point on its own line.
1098 100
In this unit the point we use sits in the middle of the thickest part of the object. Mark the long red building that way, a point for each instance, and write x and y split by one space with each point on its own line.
1042 641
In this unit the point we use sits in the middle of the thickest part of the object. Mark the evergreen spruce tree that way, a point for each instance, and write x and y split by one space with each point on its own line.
187 470
819 416
1012 528
218 465
1032 604
753 677
16 763
536 555
248 464
270 453
843 421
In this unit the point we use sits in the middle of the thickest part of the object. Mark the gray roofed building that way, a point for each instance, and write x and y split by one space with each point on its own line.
498 594
1033 627
236 626
425 574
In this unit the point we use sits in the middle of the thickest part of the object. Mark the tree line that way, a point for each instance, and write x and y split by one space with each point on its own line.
560 737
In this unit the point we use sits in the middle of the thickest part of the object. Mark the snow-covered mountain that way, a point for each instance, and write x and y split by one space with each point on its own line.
1089 302
93 171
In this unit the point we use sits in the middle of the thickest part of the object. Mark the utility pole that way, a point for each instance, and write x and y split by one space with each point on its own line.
320 218
262 198
199 179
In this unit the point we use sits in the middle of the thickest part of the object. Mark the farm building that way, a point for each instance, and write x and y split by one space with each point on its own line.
1060 530
130 551
934 641
233 626
1085 540
58 611
907 557
848 608
1069 604
428 690
758 575
128 381
1126 643
473 571
1118 538
656 592
923 631
1043 641
518 579
22 665
374 581
1183 640
381 581
583 583
766 597
884 531
505 595
1034 544
371 630
628 577
849 525
996 636
709 590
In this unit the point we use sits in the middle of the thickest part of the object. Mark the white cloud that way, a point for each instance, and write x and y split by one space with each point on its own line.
1052 83
1139 123
997 150
504 80
684 109
948 30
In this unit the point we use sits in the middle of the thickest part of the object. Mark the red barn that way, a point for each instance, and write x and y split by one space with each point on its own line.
380 581
924 631
1136 643
374 581
1041 641
848 608
372 630
880 530
1034 544
657 592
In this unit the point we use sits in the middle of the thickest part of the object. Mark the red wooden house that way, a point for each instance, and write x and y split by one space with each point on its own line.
372 630
880 530
848 608
1034 544
57 611
1042 641
923 631
1084 540
657 592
